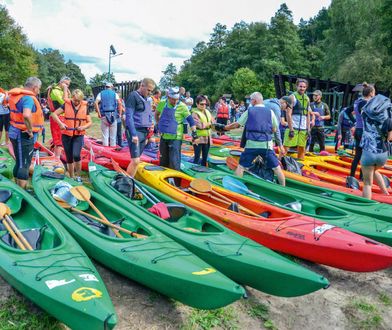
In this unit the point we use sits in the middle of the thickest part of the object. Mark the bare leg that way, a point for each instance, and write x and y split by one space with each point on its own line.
57 151
70 168
239 171
78 168
279 173
132 167
368 173
380 182
21 183
301 153
7 139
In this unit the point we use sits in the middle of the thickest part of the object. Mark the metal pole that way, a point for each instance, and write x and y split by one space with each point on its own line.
110 57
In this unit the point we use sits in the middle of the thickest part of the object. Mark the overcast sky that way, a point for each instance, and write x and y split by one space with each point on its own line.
150 33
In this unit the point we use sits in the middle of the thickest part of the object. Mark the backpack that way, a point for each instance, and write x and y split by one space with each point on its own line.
291 165
259 168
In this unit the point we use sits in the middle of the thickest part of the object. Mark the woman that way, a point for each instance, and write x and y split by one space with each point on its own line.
203 121
377 130
77 120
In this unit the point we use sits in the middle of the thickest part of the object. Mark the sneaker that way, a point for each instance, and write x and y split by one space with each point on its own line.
78 179
3 144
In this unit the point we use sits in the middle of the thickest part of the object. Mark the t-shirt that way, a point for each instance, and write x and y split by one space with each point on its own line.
26 102
181 114
259 144
3 110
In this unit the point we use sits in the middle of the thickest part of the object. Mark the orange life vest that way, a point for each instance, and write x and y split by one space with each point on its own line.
223 111
74 119
16 117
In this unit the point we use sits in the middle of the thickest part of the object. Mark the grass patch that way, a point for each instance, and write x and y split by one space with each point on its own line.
385 299
17 313
363 315
260 311
224 318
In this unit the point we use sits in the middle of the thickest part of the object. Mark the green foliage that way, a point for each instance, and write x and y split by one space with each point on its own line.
17 57
16 314
363 314
385 299
224 318
77 77
100 79
169 76
244 83
51 66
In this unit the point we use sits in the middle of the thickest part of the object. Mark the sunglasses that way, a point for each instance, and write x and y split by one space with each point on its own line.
202 103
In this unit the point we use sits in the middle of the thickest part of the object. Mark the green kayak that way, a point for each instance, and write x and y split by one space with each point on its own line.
241 259
152 258
343 201
7 163
56 274
296 201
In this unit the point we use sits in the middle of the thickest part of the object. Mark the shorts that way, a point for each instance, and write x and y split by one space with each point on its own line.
56 132
5 122
370 159
269 157
136 149
299 139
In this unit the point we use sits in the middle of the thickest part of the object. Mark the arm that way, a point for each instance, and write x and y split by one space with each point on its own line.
232 126
96 104
129 112
27 120
56 115
88 124
327 113
289 112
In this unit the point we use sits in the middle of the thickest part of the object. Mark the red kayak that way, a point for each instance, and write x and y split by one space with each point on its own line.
120 154
275 228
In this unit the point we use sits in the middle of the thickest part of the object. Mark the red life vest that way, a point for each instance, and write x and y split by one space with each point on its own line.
223 111
16 117
74 119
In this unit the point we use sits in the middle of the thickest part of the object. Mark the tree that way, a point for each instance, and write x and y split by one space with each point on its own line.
101 79
17 57
78 80
169 75
51 66
244 82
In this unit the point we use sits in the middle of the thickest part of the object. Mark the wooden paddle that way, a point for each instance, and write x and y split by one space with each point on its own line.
204 187
129 232
9 224
83 194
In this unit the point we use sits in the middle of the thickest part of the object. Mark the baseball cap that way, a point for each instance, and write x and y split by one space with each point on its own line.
108 84
174 92
317 92
288 101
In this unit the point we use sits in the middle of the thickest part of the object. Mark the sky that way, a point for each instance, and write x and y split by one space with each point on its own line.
150 34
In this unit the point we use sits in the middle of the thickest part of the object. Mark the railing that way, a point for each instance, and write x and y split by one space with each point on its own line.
125 87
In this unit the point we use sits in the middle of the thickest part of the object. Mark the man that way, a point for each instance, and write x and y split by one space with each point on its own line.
56 97
320 112
274 105
107 105
170 115
26 121
4 116
298 120
188 100
138 119
119 116
261 123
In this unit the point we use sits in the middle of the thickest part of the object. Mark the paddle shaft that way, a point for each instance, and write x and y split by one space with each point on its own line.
12 233
18 233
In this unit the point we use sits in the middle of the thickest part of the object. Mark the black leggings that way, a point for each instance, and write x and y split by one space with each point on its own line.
203 149
23 150
72 147
358 150
317 136
119 134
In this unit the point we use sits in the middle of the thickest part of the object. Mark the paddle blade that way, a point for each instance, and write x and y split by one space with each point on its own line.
4 210
81 193
201 185
235 185
231 163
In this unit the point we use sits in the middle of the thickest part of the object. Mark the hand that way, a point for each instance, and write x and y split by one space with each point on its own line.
339 137
99 115
316 114
291 134
282 151
80 128
194 136
30 133
63 126
135 139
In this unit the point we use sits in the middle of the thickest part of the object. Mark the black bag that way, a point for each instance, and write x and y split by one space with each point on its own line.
124 185
243 138
259 168
291 165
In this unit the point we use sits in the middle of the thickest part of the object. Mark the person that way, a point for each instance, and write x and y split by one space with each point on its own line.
274 105
55 97
377 131
368 92
261 123
170 115
285 103
119 117
76 120
222 112
241 109
26 120
188 100
156 98
320 112
343 128
203 121
298 120
232 111
4 116
107 105
138 121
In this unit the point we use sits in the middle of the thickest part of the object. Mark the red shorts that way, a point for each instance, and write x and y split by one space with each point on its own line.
55 130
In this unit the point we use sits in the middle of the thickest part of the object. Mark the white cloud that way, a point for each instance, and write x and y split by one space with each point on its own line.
89 27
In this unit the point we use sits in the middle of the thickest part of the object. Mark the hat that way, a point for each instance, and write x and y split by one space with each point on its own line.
108 84
173 93
288 100
317 92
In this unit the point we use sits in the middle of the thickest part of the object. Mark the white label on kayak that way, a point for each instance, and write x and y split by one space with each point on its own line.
389 231
92 168
322 229
55 283
89 277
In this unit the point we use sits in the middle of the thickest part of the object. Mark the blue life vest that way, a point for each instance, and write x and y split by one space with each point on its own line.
167 122
318 122
358 105
259 124
346 122
142 118
108 101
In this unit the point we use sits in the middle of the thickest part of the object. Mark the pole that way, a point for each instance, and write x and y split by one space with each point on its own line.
110 57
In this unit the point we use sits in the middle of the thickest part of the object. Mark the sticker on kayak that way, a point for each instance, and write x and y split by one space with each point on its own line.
85 294
55 283
92 168
322 229
88 277
205 271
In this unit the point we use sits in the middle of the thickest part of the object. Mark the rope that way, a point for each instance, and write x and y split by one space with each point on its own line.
236 253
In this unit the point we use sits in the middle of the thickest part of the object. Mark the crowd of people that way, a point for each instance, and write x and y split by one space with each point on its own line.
294 121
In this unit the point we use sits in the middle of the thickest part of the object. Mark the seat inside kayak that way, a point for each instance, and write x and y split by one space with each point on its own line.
100 227
5 195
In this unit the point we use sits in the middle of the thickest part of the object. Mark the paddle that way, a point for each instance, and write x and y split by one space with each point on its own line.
232 164
9 224
83 194
204 187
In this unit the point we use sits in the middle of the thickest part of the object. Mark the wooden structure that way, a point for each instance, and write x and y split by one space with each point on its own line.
125 87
